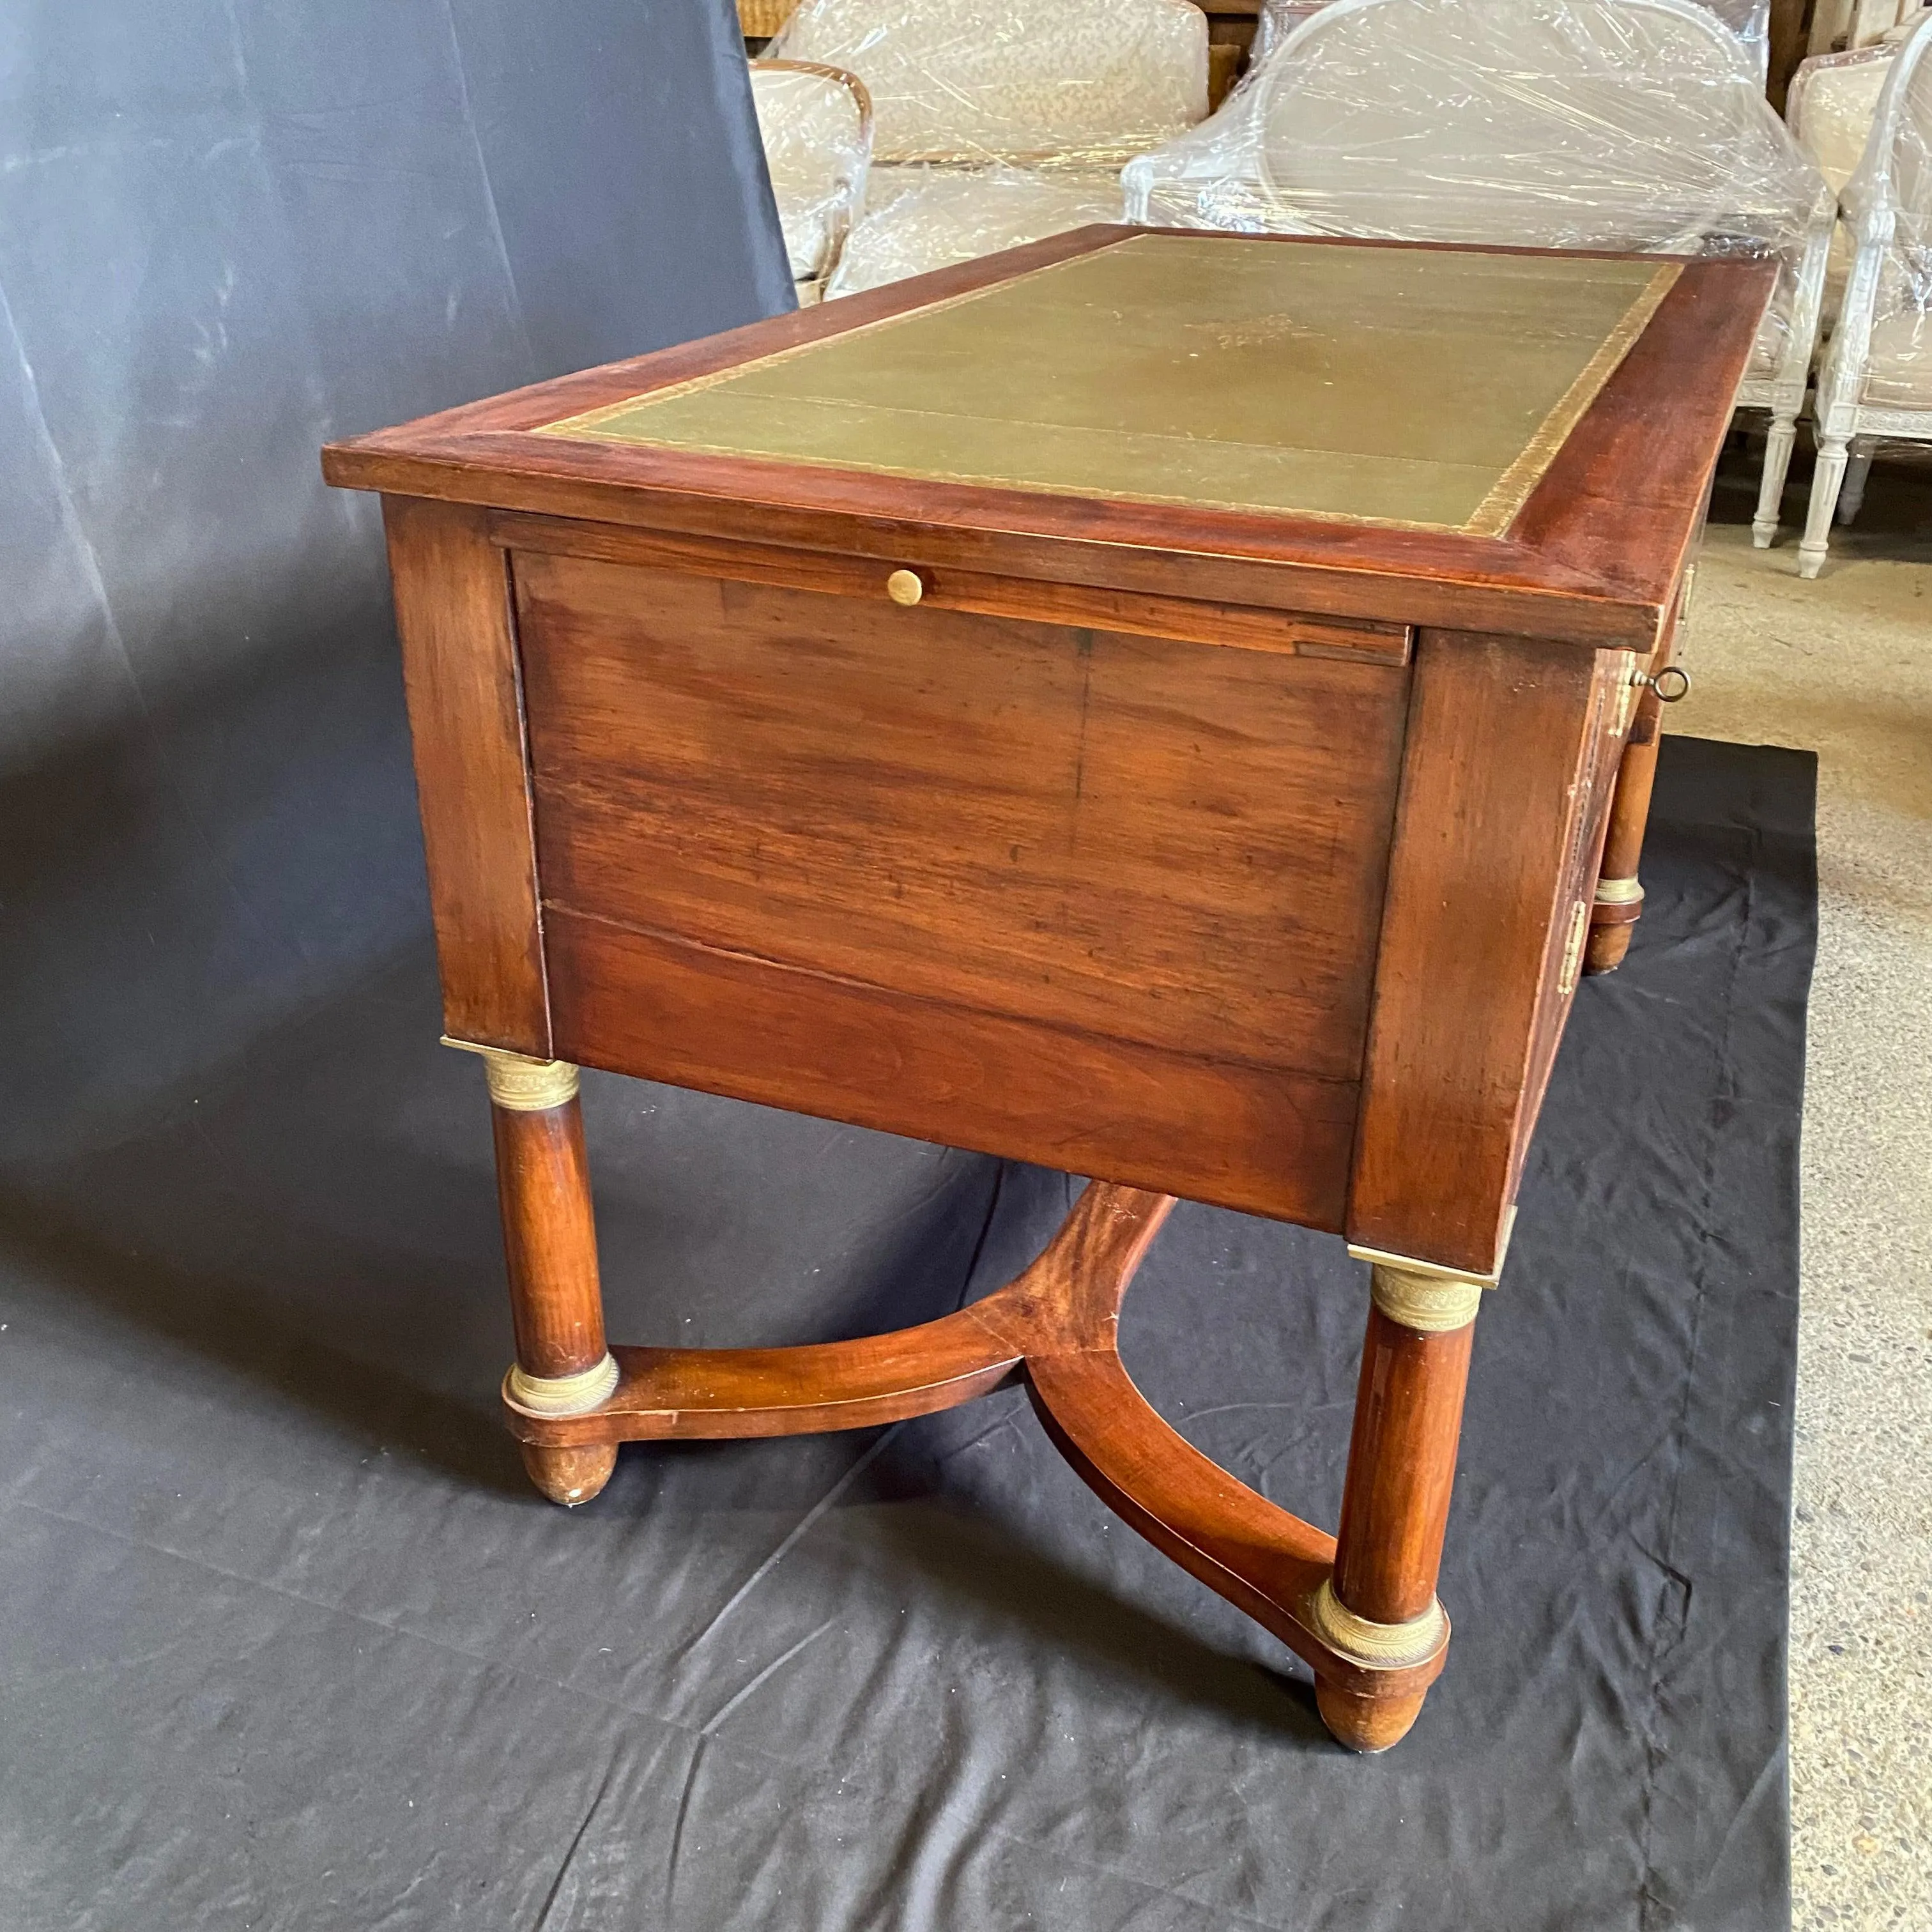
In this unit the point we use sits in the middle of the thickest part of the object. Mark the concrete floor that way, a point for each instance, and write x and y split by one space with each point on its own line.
1843 666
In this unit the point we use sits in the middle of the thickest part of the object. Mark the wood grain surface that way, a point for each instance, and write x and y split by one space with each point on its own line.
1504 736
466 723
1148 840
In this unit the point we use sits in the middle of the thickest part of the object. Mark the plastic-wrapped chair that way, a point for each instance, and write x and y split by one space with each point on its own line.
966 92
1876 384
1636 125
1751 21
816 122
1275 21
1830 107
928 217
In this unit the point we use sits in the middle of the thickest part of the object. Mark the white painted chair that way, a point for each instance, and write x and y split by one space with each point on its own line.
816 123
1832 103
968 94
1637 125
1876 384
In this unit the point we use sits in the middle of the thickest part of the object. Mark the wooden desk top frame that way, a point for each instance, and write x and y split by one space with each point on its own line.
713 793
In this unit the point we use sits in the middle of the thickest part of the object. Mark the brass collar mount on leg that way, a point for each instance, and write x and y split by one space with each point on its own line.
520 1085
561 1395
1376 1646
1426 1295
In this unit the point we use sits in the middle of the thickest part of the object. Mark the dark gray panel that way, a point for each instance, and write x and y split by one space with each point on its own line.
366 127
226 234
607 185
63 666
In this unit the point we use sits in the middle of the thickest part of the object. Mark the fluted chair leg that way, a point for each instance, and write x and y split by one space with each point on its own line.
1826 481
1777 448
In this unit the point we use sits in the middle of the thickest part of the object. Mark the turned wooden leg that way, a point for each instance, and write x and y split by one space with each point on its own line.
1378 1610
1619 897
549 1243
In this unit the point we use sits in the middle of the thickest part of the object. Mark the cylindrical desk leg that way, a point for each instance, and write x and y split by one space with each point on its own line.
549 1243
1619 898
1380 1606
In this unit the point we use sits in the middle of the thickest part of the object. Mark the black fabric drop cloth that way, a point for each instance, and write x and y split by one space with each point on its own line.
286 1642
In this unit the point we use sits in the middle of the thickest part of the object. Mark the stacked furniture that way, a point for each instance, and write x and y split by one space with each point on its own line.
1627 125
1876 384
816 123
997 123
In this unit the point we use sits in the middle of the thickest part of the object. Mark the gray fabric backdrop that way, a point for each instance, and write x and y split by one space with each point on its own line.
229 230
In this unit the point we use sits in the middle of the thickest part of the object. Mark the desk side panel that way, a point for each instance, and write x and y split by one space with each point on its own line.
460 671
1496 829
1255 1138
1176 844
1103 899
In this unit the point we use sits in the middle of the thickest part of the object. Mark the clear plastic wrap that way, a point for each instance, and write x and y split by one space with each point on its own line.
816 122
1832 103
1837 26
1751 21
1626 125
1881 356
1275 21
919 218
1606 124
1080 84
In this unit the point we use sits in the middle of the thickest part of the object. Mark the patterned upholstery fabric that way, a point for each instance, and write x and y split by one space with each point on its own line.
1013 80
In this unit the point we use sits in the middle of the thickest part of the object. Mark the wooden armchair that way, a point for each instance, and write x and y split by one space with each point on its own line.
1636 125
816 122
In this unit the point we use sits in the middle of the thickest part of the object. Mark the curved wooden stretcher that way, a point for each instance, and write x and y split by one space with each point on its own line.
1374 1649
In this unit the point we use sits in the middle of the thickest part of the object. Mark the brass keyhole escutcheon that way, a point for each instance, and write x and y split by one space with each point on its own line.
904 586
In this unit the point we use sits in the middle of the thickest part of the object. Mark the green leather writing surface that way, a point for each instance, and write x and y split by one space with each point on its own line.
1417 386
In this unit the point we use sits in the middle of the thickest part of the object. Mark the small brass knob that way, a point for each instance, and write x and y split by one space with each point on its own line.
904 586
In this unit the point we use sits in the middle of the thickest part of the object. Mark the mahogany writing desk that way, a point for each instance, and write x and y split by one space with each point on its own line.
1148 703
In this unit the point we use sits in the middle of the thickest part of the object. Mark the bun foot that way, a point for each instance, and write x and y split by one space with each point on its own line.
570 1476
1607 948
1366 1724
